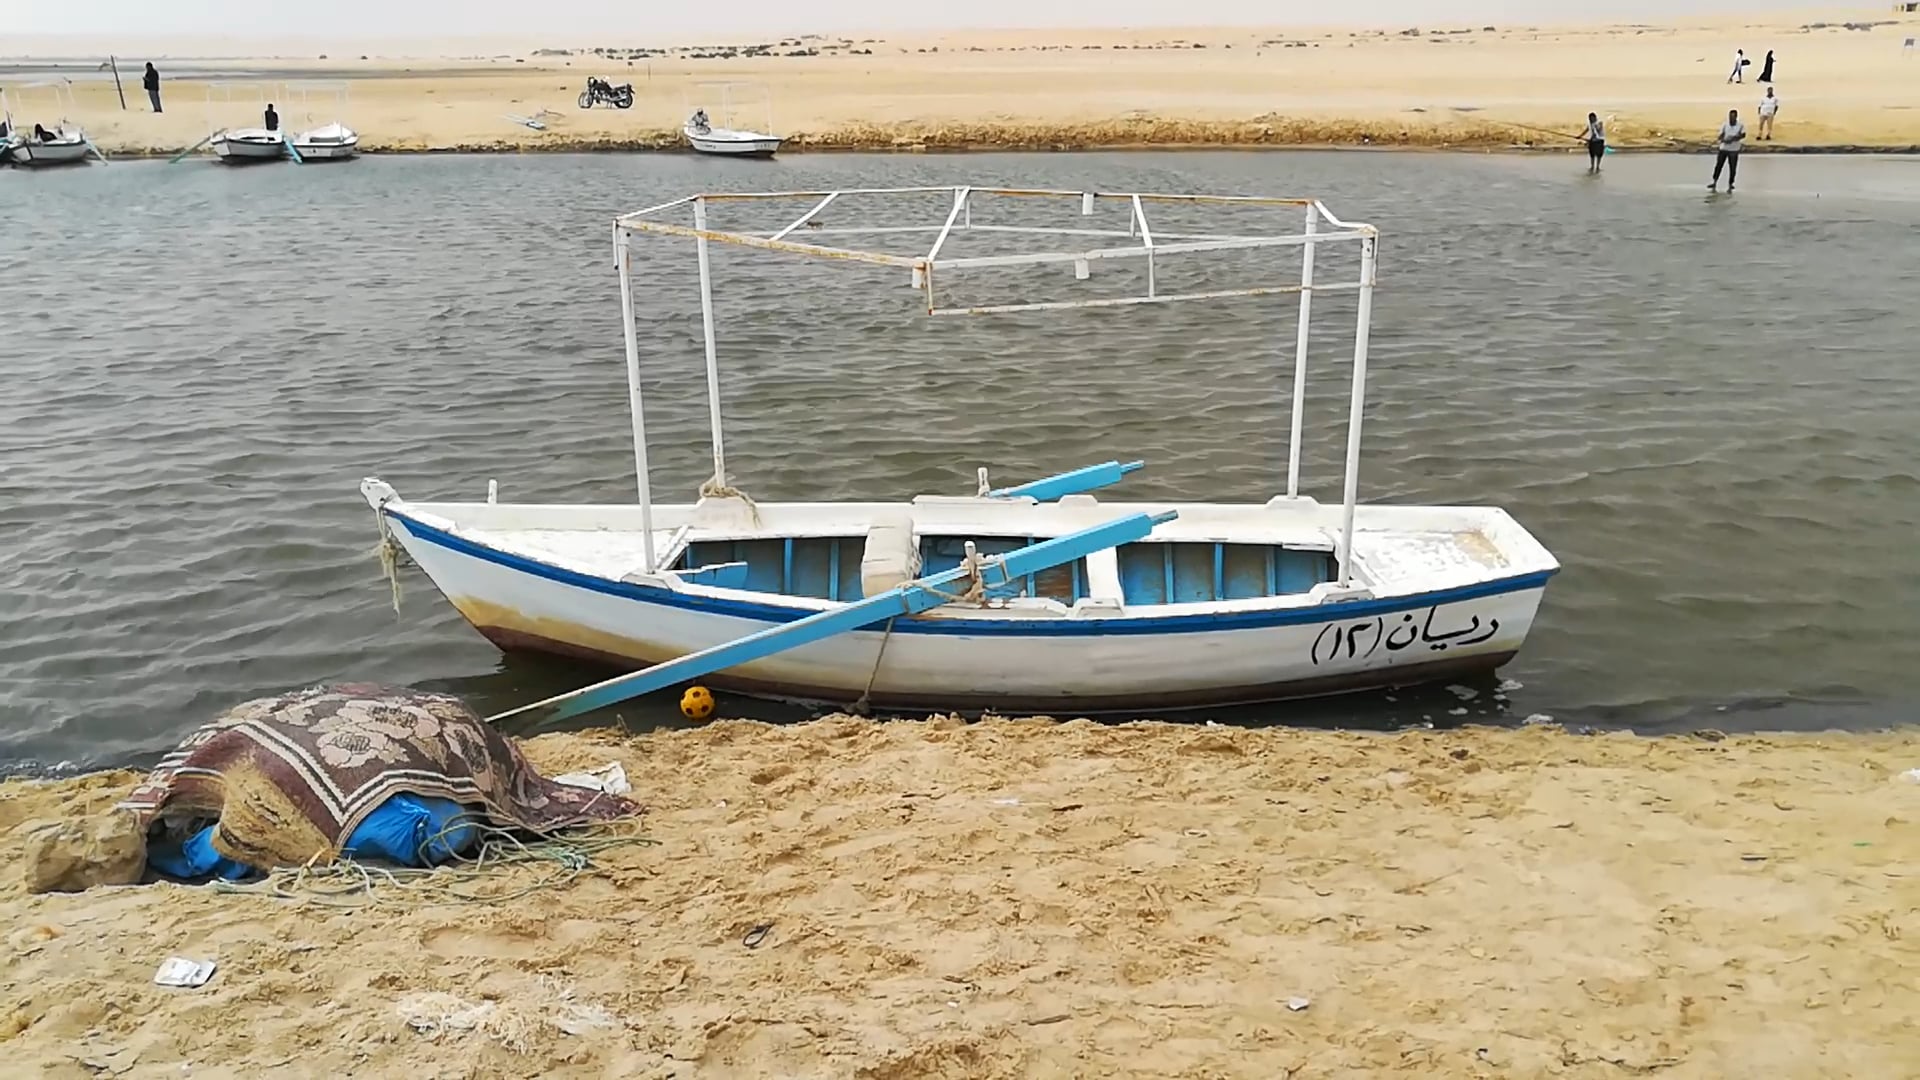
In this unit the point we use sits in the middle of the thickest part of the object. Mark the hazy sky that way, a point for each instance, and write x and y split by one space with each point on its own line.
641 21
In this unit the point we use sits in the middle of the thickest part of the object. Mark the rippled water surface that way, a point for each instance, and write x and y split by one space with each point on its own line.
1708 408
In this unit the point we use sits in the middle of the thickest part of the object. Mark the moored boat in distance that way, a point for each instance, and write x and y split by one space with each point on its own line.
1218 604
245 146
724 139
707 139
38 145
63 146
328 142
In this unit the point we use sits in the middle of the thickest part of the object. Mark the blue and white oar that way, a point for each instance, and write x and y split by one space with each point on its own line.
910 599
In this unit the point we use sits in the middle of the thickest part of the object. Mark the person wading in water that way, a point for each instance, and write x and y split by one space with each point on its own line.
1732 134
1596 142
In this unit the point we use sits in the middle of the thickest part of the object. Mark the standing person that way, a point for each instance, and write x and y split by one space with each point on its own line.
273 118
1769 106
151 80
1766 68
1732 134
1596 142
1739 64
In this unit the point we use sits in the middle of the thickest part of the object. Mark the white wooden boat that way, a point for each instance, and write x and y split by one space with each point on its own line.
1218 604
246 146
331 141
708 139
64 144
68 146
726 138
328 142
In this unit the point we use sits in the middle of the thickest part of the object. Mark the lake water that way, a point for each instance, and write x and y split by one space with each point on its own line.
1708 408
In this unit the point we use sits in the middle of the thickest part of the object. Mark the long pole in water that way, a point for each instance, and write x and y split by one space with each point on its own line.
1356 411
175 159
632 333
713 364
1300 355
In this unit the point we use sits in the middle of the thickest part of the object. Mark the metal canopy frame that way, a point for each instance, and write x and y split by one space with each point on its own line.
1320 226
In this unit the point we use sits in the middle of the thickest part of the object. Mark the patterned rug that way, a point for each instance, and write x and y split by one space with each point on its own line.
289 778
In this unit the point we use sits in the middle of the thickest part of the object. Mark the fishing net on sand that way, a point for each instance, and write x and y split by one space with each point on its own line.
287 779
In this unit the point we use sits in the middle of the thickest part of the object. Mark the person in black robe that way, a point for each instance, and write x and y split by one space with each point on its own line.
1766 68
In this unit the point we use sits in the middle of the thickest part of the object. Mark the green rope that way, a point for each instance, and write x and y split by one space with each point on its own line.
349 883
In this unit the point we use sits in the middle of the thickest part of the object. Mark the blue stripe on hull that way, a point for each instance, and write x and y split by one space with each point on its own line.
1168 624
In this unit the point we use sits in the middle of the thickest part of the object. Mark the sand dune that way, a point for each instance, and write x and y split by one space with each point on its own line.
1030 899
1437 86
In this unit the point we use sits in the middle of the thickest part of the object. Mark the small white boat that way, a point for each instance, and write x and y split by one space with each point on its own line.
331 141
724 138
245 146
328 142
1134 607
64 146
708 139
37 145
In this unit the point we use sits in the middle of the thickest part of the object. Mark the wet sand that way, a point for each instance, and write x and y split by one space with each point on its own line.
1663 87
1031 899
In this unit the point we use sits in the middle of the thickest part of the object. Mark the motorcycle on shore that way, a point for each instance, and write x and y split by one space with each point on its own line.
600 90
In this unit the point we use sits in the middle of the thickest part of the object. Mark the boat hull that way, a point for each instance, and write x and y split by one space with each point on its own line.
334 142
248 152
1084 665
327 151
41 155
734 145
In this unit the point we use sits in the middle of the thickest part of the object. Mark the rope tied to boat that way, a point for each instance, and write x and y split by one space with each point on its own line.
389 552
975 596
713 488
865 700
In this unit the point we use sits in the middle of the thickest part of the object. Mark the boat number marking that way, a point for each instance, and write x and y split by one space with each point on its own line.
1362 638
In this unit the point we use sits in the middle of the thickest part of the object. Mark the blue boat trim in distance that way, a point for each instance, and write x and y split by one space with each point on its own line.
1167 624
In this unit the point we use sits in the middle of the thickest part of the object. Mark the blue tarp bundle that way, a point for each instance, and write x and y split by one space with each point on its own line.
409 830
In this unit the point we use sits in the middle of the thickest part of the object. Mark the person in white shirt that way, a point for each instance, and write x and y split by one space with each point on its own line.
1769 106
1732 134
1739 62
1596 142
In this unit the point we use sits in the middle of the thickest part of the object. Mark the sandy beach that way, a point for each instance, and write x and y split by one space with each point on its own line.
1443 85
1033 899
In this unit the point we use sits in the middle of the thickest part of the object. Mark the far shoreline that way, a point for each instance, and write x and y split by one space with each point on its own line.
650 146
1844 88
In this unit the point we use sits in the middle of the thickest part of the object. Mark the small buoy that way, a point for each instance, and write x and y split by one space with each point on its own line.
696 703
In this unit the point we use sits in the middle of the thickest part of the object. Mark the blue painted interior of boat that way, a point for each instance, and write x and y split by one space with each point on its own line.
1163 573
822 567
828 568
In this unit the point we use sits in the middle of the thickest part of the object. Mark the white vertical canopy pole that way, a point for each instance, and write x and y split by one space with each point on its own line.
633 397
1300 354
713 364
1355 411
